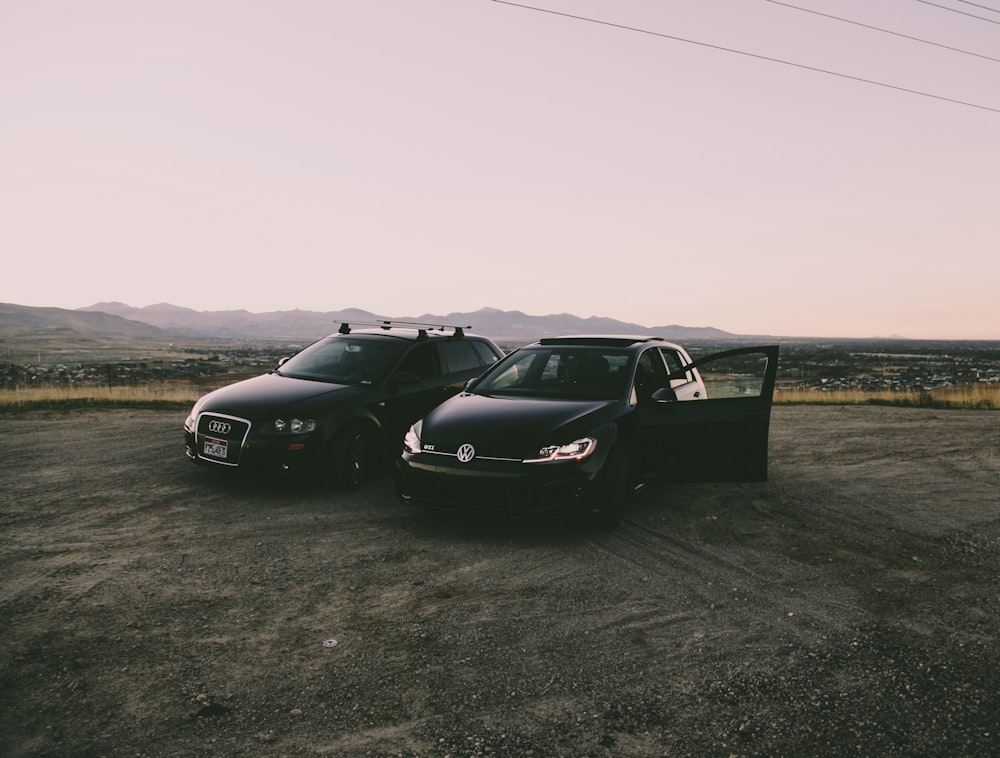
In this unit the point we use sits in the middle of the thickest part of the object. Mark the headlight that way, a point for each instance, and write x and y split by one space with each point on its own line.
294 425
411 442
190 423
574 451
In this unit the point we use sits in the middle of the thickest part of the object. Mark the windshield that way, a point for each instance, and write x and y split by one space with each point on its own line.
574 372
345 360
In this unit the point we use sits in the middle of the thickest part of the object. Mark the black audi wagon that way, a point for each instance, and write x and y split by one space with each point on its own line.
337 404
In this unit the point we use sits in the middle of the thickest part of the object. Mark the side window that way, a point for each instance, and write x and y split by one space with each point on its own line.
461 355
485 353
422 361
674 365
551 369
742 375
650 375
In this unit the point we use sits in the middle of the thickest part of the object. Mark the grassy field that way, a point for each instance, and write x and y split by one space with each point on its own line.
980 396
164 396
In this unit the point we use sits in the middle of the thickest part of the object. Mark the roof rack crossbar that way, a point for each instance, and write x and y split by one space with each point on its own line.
345 326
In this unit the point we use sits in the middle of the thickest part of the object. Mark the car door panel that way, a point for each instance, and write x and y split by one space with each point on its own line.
721 437
423 382
416 387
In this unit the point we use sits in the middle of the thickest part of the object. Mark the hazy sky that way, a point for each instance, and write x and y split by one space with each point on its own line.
433 156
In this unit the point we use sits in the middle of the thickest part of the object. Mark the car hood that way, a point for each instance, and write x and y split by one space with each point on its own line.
273 392
510 426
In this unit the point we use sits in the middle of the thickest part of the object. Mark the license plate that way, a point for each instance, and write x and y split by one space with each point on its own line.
215 448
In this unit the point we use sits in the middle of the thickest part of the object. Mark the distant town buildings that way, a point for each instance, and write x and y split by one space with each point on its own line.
906 367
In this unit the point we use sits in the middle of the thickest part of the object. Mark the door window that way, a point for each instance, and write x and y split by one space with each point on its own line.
422 361
674 366
461 355
650 375
735 376
486 355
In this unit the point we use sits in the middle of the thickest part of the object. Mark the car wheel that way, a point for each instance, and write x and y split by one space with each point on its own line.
350 457
611 491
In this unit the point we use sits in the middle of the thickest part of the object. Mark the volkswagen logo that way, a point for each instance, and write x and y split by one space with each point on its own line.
219 427
466 453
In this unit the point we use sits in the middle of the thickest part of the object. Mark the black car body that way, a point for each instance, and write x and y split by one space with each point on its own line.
335 403
574 424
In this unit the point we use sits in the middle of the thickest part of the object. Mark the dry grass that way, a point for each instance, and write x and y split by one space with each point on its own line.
969 396
162 395
181 395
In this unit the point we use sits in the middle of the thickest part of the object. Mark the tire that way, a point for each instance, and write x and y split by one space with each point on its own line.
350 457
611 490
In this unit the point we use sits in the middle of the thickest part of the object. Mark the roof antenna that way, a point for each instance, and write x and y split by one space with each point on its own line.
345 328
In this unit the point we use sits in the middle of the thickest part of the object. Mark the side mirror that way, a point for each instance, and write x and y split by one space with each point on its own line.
663 396
283 361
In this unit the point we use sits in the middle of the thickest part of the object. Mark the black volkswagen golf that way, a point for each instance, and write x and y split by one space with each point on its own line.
338 402
575 424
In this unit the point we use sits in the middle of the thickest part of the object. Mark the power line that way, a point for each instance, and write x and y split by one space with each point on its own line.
963 13
885 31
751 55
977 5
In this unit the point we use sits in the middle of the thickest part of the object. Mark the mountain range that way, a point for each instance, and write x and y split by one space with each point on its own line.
298 325
170 322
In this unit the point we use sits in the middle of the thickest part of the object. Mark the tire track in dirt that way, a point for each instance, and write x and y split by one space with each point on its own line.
791 597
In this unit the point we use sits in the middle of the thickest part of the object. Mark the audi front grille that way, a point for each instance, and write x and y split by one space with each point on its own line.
219 438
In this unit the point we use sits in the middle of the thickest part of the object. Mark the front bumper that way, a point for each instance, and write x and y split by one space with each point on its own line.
232 445
508 487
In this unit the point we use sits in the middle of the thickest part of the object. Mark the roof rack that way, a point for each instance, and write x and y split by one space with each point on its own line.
345 327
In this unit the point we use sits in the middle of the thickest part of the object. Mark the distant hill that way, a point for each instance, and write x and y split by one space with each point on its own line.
20 321
503 326
60 335
293 325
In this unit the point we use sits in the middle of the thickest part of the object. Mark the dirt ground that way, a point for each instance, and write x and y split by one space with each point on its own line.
849 606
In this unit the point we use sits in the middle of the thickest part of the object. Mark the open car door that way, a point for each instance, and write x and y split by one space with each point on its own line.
723 437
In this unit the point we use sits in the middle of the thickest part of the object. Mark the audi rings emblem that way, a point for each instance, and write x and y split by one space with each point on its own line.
466 453
219 427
